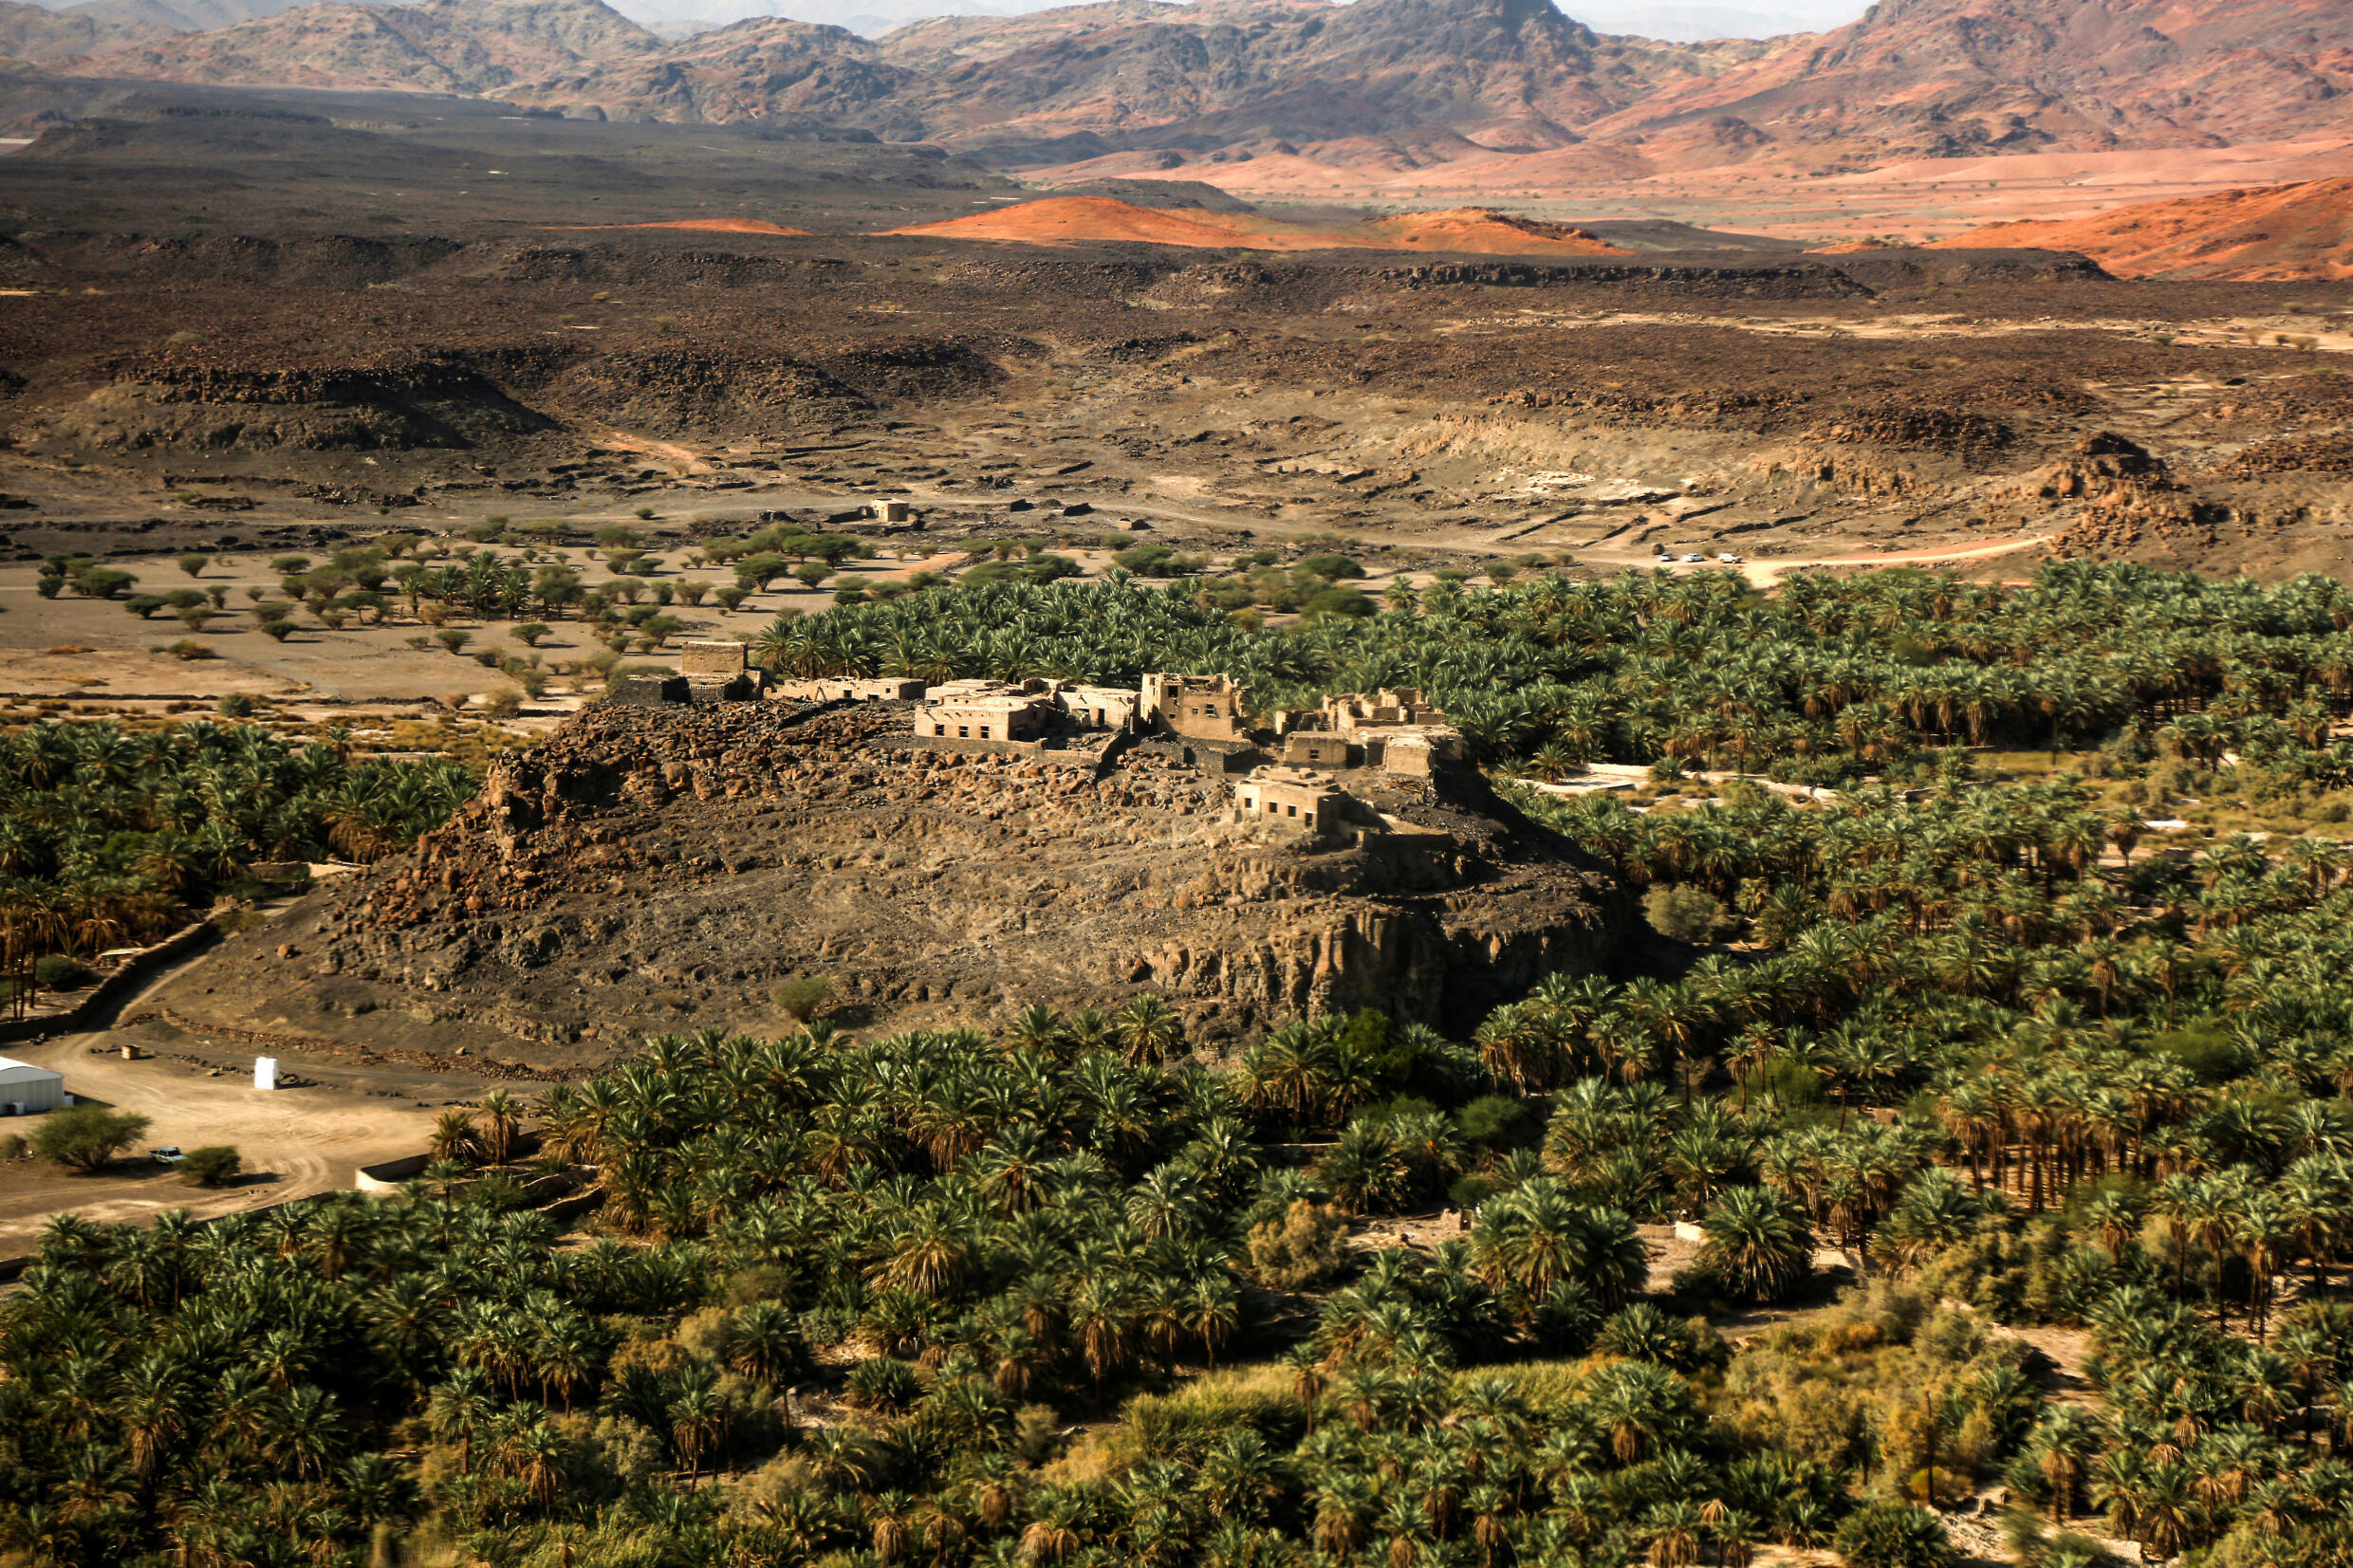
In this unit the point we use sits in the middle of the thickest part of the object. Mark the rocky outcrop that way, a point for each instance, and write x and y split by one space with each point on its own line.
344 408
656 869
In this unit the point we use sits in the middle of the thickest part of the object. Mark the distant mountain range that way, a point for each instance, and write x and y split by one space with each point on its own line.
1667 19
1382 84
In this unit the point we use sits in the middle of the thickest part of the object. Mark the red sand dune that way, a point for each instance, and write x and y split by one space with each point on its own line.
1080 220
1478 231
1084 220
714 226
2269 233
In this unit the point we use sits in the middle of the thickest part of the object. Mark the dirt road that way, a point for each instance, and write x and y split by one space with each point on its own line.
1764 574
296 1142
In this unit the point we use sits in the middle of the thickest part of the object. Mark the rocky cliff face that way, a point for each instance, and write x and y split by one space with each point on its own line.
657 869
1963 78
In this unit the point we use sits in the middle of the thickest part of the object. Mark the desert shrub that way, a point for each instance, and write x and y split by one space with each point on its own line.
85 1138
100 582
59 971
277 631
1883 1534
193 563
145 605
213 1165
1184 1421
1337 601
1495 1121
504 703
1332 568
1686 913
730 598
1144 559
805 997
1304 1248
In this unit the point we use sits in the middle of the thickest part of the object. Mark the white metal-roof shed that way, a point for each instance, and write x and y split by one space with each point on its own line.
24 1088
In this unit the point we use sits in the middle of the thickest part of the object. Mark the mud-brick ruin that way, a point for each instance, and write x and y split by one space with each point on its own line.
708 672
1292 771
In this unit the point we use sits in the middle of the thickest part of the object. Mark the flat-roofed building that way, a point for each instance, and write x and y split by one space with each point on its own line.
985 711
1293 797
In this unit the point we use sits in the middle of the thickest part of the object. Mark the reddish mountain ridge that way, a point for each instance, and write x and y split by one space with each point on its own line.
1955 78
1379 85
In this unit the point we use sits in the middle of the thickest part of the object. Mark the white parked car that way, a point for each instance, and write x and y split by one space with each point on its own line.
1694 559
168 1155
1728 558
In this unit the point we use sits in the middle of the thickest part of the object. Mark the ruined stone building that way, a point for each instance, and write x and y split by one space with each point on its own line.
1394 730
718 672
1316 749
708 672
848 689
1292 796
1201 707
1025 712
1098 707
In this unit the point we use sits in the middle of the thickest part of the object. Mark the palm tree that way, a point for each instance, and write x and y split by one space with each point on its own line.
1148 1030
501 1121
1758 1242
456 1137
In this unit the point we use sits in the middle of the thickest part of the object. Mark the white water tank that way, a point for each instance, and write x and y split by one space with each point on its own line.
264 1072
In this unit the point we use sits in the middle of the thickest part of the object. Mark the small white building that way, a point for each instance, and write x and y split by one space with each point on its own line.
26 1089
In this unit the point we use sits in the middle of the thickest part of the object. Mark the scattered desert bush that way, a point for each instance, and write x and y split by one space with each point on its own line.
86 1137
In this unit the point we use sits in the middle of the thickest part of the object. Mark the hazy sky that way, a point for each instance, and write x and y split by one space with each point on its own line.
1679 19
1731 19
